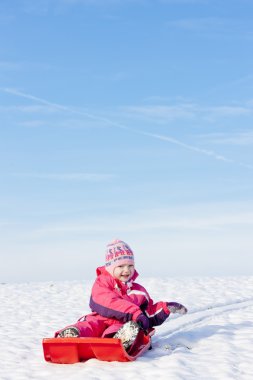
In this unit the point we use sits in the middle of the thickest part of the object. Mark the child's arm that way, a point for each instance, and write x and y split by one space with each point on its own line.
159 312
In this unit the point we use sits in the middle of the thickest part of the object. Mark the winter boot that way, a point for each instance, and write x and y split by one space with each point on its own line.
69 332
128 333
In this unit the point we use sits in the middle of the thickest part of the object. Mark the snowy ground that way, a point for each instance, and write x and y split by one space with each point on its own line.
213 341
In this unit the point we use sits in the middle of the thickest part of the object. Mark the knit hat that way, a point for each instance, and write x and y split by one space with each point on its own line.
118 253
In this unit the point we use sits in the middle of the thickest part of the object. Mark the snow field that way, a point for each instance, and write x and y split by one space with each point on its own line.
213 341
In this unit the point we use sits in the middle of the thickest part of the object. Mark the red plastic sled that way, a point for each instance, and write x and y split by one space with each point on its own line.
73 350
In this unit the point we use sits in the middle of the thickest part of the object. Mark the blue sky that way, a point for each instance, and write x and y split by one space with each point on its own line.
126 119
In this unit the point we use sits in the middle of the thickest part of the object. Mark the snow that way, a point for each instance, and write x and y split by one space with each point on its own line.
213 341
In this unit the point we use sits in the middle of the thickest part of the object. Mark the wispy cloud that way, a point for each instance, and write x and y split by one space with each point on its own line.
32 123
31 109
101 2
163 113
66 176
213 26
24 66
6 17
60 107
166 111
5 224
176 2
196 149
5 65
43 6
189 147
190 219
113 77
242 138
21 94
112 123
235 110
198 24
183 110
63 123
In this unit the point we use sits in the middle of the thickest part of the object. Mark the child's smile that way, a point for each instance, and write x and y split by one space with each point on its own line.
124 272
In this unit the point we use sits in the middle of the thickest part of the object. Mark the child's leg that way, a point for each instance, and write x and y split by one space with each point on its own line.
89 328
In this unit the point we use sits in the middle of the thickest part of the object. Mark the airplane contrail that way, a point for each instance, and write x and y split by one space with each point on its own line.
122 126
63 108
189 147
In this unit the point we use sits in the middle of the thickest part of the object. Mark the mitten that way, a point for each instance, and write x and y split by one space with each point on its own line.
143 321
175 307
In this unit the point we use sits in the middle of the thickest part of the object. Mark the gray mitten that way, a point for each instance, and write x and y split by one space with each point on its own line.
175 307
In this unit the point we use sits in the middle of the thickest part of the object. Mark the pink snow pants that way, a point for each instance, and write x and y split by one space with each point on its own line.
91 326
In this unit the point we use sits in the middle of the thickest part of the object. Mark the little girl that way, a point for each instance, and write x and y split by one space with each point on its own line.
116 299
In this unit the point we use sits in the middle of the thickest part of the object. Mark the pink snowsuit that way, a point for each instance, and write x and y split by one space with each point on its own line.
114 303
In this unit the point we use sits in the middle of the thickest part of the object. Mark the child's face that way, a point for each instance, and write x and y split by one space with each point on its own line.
124 272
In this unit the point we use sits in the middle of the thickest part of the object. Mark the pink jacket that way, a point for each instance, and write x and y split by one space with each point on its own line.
118 302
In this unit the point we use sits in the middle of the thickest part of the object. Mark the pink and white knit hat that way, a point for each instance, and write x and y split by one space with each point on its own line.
118 253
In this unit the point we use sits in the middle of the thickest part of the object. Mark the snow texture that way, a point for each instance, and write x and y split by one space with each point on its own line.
213 341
